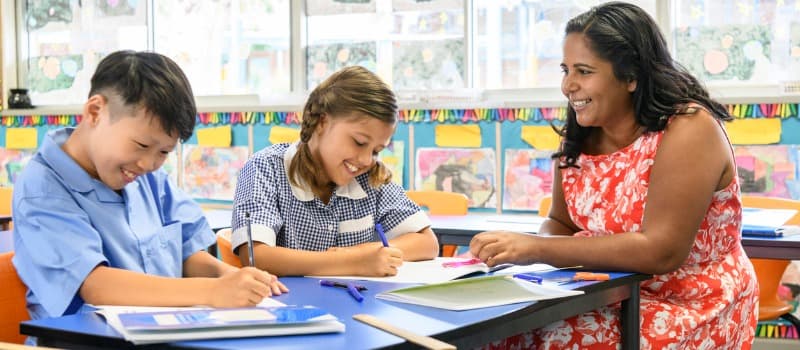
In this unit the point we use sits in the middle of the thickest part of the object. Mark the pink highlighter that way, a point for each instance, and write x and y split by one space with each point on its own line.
472 261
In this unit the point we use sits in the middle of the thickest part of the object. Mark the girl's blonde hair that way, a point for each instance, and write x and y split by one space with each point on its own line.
351 89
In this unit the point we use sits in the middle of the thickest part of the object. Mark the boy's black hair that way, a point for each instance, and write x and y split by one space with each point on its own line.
151 81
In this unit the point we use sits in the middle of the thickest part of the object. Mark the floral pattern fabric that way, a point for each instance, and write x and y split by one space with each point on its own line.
710 302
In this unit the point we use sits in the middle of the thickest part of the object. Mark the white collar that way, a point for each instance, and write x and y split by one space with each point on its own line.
352 190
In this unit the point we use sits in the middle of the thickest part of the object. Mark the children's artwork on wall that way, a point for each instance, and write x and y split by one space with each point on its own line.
112 8
766 170
428 64
528 177
794 39
12 161
324 60
48 73
42 12
211 172
470 171
394 157
733 52
171 166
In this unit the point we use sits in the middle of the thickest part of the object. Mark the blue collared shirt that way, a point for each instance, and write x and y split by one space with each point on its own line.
66 223
289 216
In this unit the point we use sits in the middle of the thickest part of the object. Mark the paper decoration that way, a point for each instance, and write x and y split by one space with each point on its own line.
410 116
214 137
467 171
12 162
541 137
22 138
212 172
528 177
458 135
766 170
394 157
281 134
754 131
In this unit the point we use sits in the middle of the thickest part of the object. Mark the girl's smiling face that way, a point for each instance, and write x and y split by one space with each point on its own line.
348 145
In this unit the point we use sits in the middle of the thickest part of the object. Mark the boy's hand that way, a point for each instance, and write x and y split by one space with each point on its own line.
245 287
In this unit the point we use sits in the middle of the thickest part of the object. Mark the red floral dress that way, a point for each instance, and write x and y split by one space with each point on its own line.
710 302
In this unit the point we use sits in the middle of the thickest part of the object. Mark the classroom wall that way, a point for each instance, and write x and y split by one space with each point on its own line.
499 157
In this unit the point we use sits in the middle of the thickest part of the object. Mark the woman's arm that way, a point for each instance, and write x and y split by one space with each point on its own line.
558 221
693 161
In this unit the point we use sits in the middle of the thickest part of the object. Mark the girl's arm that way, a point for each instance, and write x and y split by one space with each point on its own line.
422 245
370 259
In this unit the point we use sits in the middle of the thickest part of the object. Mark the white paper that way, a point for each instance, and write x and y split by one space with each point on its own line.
476 293
433 271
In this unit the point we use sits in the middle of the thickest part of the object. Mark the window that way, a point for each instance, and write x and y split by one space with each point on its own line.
756 42
517 44
62 42
225 47
411 44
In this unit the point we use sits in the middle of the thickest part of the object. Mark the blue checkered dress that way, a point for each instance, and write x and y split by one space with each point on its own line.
287 216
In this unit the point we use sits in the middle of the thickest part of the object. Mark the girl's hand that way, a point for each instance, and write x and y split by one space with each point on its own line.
245 287
375 260
500 247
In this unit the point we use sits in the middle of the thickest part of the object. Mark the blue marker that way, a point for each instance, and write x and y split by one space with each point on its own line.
381 234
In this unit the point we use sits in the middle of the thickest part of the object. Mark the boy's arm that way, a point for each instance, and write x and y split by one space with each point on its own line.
112 286
202 264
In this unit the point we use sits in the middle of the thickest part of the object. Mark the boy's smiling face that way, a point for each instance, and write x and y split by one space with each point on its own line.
121 142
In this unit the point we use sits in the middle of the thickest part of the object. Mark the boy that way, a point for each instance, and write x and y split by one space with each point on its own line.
96 222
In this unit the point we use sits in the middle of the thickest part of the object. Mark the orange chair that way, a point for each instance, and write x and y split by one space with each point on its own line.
12 301
5 205
224 248
544 206
441 203
770 271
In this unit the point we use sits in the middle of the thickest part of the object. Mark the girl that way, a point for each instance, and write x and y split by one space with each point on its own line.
313 205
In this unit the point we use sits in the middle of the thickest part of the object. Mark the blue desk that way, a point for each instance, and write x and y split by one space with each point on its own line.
772 248
462 328
459 230
6 241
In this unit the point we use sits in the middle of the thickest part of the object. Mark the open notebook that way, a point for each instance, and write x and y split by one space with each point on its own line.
478 292
147 325
442 270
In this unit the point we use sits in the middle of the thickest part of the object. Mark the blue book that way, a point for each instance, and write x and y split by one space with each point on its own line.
767 222
761 231
172 320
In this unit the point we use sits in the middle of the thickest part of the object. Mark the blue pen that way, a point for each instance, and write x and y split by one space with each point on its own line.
529 277
381 234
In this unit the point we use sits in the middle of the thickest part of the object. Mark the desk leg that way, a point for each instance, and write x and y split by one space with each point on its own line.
629 319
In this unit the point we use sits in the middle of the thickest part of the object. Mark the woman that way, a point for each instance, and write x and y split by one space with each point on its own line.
646 182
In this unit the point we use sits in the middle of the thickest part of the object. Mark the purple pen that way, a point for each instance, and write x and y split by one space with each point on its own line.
351 288
329 283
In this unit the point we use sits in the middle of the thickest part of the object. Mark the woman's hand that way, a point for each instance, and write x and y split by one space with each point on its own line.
500 247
